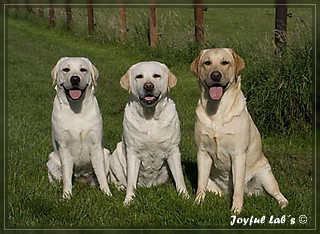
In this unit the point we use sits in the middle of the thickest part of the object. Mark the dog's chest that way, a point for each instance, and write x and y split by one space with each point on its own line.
153 167
78 137
79 144
214 137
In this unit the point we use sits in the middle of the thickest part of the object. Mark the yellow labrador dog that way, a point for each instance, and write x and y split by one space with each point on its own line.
230 158
76 126
151 132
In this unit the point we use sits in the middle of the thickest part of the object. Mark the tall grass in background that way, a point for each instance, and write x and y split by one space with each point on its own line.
278 88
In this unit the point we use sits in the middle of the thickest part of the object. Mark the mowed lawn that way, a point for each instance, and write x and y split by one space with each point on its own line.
31 202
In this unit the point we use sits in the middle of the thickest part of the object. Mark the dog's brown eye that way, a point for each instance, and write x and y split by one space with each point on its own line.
140 76
156 76
208 63
66 69
225 62
83 70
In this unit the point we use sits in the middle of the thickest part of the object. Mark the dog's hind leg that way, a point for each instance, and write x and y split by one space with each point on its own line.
54 168
98 163
118 167
214 188
269 183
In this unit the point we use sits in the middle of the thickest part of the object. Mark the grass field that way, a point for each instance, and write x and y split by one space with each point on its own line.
32 51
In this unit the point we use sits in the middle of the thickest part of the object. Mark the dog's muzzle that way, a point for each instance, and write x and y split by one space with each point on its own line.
75 93
149 99
216 88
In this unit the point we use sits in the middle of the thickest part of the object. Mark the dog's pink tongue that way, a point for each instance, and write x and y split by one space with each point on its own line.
75 94
151 98
216 93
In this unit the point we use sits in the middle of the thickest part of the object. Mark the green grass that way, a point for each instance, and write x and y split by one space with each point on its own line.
33 50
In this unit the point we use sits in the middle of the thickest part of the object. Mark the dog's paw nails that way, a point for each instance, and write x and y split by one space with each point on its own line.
216 192
283 203
66 195
127 201
200 198
236 210
121 188
184 193
107 192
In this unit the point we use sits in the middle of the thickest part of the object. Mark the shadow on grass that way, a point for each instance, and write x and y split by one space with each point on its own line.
191 172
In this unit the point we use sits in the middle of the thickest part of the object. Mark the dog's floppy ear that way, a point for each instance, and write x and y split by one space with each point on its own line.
194 66
95 74
54 72
240 64
125 79
93 70
172 80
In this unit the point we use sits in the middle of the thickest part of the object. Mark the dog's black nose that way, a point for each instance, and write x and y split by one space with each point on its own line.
148 86
216 76
75 80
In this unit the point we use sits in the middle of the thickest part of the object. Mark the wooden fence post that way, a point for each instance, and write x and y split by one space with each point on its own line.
122 23
153 27
68 13
51 13
280 33
28 7
90 18
17 9
198 21
39 9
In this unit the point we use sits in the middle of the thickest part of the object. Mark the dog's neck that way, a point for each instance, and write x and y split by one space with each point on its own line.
76 106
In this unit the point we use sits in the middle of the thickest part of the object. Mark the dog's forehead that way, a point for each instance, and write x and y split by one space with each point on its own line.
74 62
148 68
217 54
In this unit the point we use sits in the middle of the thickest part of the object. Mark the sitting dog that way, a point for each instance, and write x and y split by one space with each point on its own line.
76 127
230 158
151 132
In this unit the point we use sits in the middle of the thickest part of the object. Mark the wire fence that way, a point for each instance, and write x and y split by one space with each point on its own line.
280 26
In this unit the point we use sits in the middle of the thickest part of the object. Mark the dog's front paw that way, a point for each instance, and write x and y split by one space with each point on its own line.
127 201
200 197
121 187
66 194
236 209
283 203
184 193
216 192
106 191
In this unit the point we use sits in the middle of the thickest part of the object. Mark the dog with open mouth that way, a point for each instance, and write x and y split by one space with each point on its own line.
77 127
149 150
230 159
